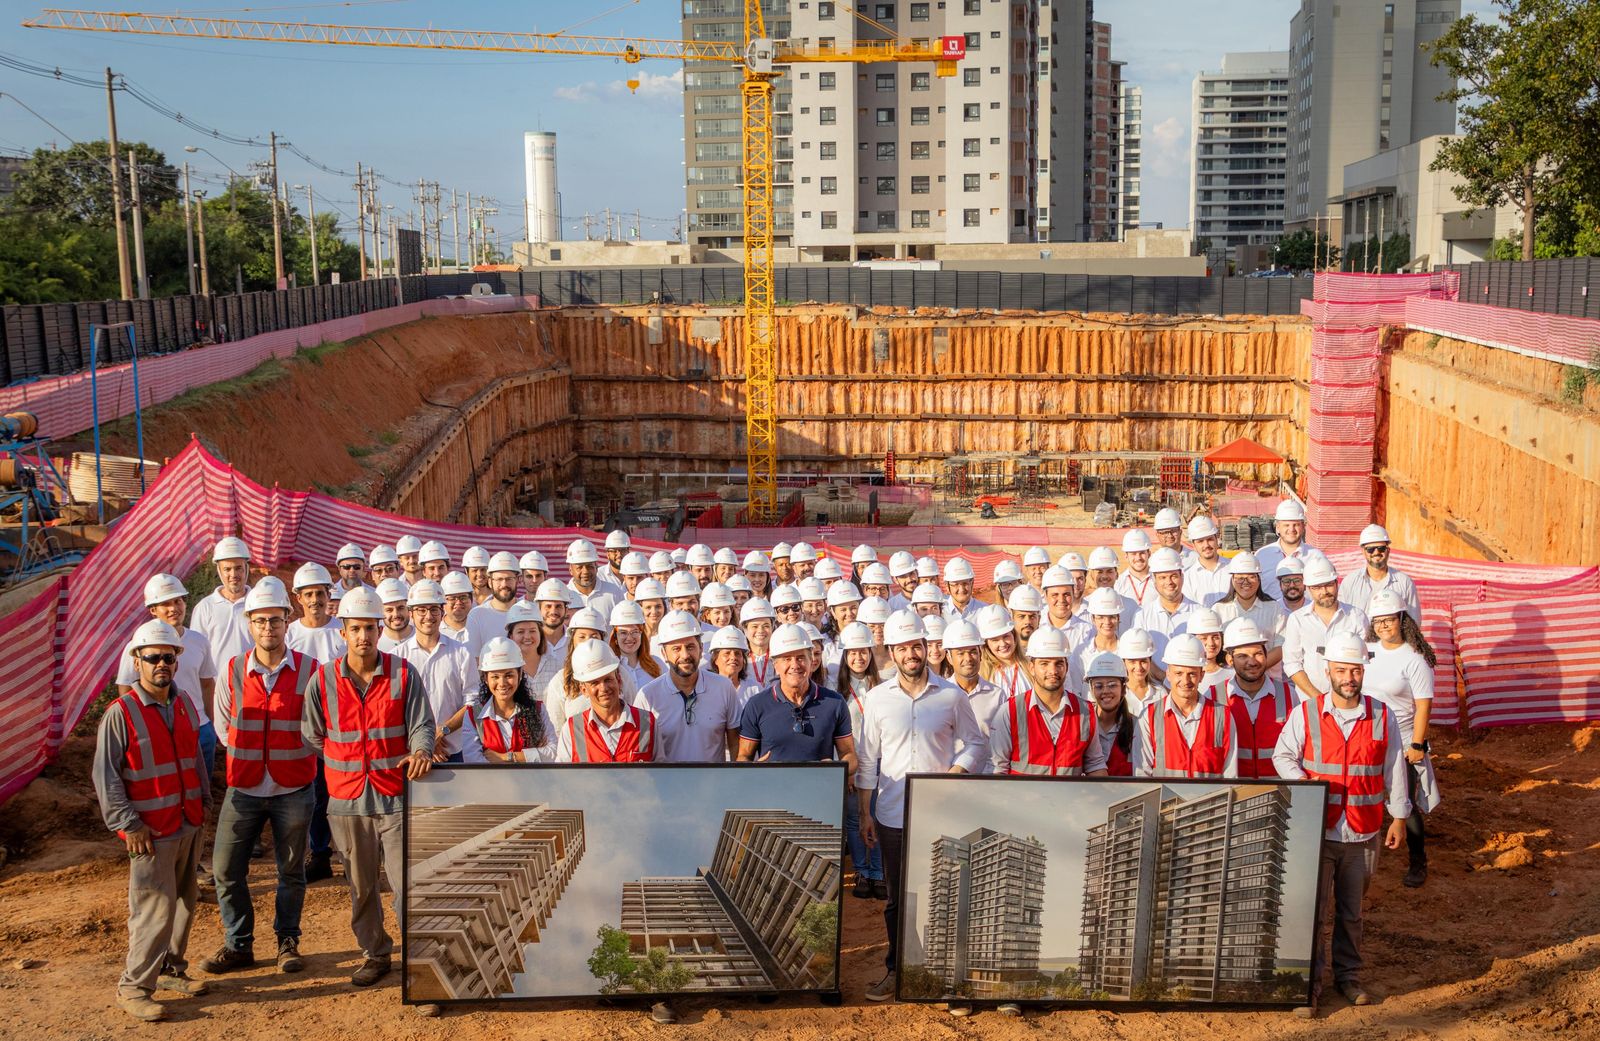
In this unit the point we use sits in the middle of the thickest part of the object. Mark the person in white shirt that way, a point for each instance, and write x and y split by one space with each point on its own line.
1136 581
195 674
488 619
1308 629
618 543
1137 653
1289 519
1185 734
457 589
1205 573
396 616
1358 587
509 724
446 669
219 617
1168 531
583 562
1167 614
696 711
315 633
958 579
1400 674
914 723
1329 734
1245 599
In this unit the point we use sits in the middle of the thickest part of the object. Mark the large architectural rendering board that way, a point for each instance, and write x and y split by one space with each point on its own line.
529 881
1109 890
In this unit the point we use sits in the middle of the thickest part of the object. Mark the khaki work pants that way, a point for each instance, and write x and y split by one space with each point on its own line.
368 843
161 898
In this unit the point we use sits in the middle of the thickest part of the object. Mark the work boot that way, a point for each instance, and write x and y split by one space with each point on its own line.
883 990
227 960
180 983
863 888
372 970
318 867
142 1007
289 959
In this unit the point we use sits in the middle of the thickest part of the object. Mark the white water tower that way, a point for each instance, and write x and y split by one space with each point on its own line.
542 211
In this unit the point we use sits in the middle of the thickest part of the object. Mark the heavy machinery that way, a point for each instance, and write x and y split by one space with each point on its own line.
760 56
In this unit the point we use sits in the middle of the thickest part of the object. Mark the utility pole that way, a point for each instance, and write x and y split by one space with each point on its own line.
311 212
205 274
277 226
116 191
143 277
361 218
188 226
455 231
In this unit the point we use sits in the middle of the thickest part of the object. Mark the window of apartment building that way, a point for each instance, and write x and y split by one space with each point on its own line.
828 150
974 41
885 220
971 182
885 82
919 116
829 218
827 115
971 112
885 117
919 12
919 150
883 12
919 185
919 218
971 77
969 218
970 146
920 81
828 185
886 186
972 6
825 11
885 151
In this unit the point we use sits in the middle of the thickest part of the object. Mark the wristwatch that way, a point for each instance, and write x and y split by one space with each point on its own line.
1421 746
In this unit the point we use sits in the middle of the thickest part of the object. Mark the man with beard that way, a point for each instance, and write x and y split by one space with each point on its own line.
1307 631
1259 705
697 712
488 619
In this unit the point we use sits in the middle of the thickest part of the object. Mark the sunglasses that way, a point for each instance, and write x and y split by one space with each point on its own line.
159 659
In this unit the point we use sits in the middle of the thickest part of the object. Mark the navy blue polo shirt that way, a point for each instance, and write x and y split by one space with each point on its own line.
795 734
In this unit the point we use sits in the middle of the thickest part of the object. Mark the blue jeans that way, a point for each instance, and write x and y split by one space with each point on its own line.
867 865
238 828
321 834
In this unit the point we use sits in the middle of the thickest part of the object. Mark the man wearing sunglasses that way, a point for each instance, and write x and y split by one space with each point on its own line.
1358 587
697 715
154 791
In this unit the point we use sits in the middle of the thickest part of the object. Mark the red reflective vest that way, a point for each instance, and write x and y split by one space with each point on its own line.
1033 751
264 737
365 741
1257 737
1173 756
161 767
637 744
1353 766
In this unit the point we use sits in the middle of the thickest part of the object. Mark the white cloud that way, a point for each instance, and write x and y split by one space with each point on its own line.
576 92
653 87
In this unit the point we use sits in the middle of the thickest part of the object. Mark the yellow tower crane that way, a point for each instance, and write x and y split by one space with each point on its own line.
761 56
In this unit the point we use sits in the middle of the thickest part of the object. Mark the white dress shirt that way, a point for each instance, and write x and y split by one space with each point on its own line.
1287 758
451 680
1094 755
715 709
1305 635
902 735
1144 764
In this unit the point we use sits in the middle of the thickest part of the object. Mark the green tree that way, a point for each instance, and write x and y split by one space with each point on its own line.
74 185
1302 251
612 959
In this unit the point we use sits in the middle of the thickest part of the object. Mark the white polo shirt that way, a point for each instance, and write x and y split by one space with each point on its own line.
715 711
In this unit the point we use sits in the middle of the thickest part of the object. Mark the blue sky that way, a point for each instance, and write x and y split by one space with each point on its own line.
458 118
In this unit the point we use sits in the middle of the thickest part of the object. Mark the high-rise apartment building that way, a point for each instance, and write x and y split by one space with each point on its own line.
484 880
1182 896
1360 84
1130 159
1238 151
985 907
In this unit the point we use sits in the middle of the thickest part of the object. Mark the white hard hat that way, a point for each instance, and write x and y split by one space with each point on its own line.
551 589
843 593
311 574
158 589
874 610
754 608
1106 666
678 625
1289 510
661 562
1136 540
1035 556
739 584
349 551
589 618
1346 648
503 562
726 556
802 553
426 592
1165 559
1102 557
679 555
521 611
1006 571
361 603
432 551
828 568
533 560
960 634
499 653
1244 562
729 638
382 554
1242 632
927 567
268 592
649 589
1205 621
592 660
1025 598
1104 602
700 555
1202 527
1185 649
682 583
156 633
863 554
626 612
1319 572
715 594
994 620
1047 642
786 595
408 544
1135 644
1057 576
618 539
855 637
1167 518
581 551
933 628
1075 562
927 593
230 548
391 591
876 574
958 569
635 564
1384 603
456 584
903 627
475 556
755 560
812 632
902 563
812 589
788 639
781 551
1289 566
1373 534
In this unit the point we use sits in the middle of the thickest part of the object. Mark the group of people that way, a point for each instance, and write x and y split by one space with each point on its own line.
328 693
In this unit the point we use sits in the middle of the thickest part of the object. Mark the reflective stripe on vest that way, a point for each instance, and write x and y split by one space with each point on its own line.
161 767
1160 758
264 731
1257 737
1022 711
1355 779
589 745
365 740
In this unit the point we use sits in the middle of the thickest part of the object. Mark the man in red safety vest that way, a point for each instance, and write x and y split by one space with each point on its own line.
1351 742
368 715
154 792
1185 734
1048 731
609 730
270 770
1259 706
